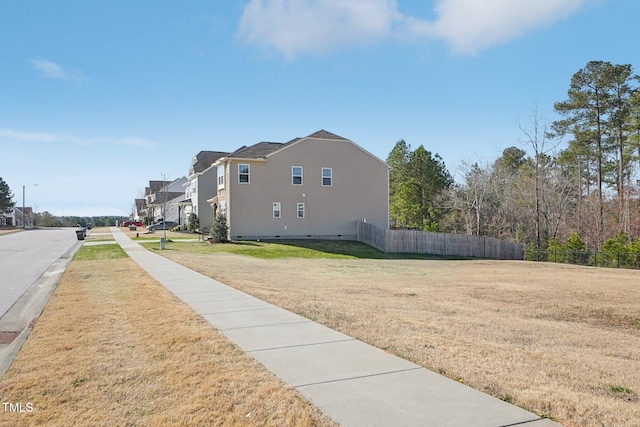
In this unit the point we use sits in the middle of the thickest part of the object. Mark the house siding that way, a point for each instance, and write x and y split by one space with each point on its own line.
205 189
359 190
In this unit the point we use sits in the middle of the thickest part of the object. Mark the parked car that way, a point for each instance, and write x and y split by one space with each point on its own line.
162 225
132 223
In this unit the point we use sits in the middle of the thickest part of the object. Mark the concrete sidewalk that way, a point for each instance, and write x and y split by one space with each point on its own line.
352 382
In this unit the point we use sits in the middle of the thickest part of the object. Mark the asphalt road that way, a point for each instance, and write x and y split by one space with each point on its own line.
25 256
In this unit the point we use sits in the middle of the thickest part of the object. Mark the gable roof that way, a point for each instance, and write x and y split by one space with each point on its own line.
323 134
263 150
204 160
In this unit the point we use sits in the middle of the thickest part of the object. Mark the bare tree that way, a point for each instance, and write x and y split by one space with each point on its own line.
537 137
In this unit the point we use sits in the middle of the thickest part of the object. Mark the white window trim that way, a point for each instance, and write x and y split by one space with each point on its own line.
248 173
323 177
277 207
298 210
220 176
301 175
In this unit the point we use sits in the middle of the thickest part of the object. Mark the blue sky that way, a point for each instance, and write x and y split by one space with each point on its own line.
96 99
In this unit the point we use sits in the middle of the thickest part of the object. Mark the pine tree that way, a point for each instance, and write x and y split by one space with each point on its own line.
5 197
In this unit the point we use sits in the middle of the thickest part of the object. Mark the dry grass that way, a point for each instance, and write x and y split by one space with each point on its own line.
562 341
9 230
113 347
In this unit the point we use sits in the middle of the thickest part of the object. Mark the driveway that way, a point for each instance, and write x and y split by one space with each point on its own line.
25 256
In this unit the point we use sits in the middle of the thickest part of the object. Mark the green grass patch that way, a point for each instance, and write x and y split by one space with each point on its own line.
95 252
337 249
620 390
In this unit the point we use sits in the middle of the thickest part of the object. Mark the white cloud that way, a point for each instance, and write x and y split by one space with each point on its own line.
28 136
470 25
294 27
54 71
314 26
49 137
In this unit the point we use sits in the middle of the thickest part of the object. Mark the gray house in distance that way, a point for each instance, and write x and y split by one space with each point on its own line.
200 187
318 186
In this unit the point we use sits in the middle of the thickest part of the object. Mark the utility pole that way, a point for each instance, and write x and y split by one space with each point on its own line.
24 224
164 211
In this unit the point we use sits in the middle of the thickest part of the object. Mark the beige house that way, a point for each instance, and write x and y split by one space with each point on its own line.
318 186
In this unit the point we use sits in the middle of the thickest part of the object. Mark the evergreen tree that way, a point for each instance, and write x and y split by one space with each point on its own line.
416 179
5 197
219 228
596 114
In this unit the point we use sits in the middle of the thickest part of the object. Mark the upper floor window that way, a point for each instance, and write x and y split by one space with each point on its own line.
243 173
221 176
327 177
296 175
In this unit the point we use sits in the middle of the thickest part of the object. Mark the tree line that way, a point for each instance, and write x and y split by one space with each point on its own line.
577 175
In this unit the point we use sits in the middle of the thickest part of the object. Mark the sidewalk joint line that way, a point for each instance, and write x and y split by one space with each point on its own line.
217 300
240 311
176 288
524 422
360 377
265 326
301 345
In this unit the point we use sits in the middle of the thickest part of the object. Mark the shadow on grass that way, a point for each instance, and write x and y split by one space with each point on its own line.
354 249
296 249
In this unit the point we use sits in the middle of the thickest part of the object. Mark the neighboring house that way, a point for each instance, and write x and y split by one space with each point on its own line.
163 200
7 218
139 209
201 186
318 186
150 194
168 201
19 216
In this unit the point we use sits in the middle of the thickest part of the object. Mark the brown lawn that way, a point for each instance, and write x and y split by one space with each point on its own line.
9 230
113 347
561 341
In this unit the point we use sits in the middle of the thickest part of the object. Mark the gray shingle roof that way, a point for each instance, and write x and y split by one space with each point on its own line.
262 149
256 151
205 159
155 186
323 134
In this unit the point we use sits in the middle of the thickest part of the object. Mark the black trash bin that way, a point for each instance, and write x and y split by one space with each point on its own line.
80 234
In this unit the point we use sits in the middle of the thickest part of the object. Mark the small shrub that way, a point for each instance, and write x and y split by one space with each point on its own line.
219 229
193 223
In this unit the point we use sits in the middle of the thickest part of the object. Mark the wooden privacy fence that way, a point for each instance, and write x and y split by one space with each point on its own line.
422 242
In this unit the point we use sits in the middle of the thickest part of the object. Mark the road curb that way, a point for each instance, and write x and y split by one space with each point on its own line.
24 313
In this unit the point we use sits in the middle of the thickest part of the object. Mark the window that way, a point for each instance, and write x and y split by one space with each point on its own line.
296 175
300 210
223 208
276 209
221 176
327 175
243 173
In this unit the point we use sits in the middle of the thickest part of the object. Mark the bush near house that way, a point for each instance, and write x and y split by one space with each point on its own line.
219 229
194 222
